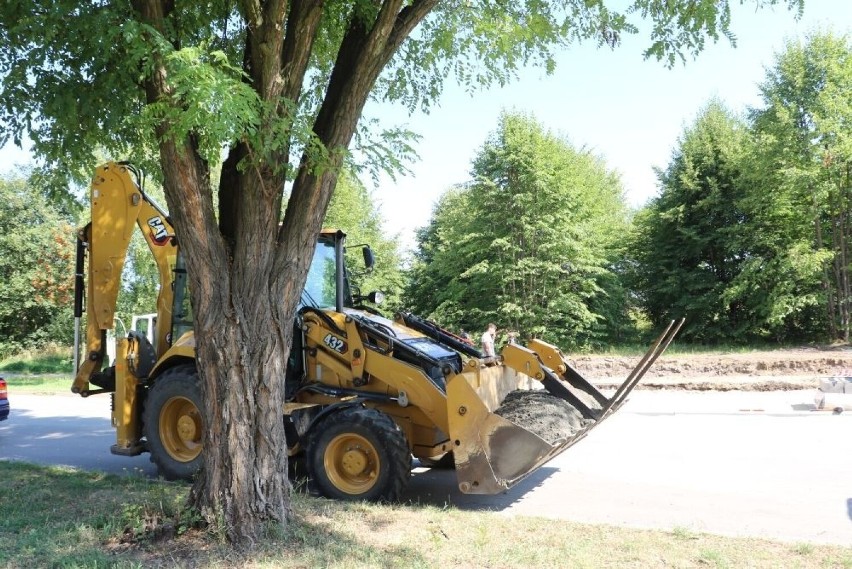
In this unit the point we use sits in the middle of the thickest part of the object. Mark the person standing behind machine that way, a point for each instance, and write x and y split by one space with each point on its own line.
488 340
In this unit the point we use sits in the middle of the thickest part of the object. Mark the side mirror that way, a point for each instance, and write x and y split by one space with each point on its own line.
369 258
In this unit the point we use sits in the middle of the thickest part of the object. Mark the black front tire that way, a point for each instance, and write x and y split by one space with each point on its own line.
172 422
359 454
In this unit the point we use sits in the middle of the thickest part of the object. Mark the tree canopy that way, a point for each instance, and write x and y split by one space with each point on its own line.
686 248
74 73
527 244
36 269
748 238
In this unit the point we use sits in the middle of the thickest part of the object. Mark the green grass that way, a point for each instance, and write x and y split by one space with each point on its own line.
50 384
49 361
54 517
46 372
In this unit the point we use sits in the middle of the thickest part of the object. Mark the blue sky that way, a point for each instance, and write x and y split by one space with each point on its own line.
625 109
612 102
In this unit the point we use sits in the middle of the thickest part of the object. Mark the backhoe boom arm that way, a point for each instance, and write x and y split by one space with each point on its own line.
117 204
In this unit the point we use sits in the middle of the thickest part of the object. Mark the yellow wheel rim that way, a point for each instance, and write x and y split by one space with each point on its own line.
352 463
180 429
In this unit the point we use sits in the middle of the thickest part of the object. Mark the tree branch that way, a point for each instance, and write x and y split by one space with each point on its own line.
253 13
265 36
360 59
406 21
185 173
363 53
302 23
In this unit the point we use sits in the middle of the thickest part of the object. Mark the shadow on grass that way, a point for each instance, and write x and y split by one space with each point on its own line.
50 364
58 517
316 544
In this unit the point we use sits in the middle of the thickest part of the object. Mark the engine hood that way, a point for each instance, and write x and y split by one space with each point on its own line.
401 332
410 337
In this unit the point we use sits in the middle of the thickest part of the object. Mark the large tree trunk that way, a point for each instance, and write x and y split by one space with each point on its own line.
246 273
241 355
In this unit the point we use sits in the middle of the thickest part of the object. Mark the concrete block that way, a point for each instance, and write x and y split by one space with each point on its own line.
836 385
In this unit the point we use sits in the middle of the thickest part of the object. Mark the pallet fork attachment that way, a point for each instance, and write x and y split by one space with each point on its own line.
492 453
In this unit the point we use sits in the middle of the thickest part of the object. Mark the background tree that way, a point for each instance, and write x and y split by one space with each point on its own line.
266 80
779 284
802 197
528 243
36 269
686 247
435 286
749 237
354 210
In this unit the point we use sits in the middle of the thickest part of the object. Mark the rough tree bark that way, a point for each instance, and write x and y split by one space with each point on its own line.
246 271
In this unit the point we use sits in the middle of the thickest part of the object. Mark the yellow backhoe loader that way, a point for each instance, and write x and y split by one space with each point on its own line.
364 392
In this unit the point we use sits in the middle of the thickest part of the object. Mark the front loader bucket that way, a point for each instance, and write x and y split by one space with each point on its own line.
502 430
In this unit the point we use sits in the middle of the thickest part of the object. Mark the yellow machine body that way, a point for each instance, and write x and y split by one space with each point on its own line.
364 392
491 453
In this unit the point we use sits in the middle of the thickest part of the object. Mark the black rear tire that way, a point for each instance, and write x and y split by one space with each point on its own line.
359 454
172 422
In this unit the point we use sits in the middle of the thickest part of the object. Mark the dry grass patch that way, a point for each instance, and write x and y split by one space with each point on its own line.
334 534
63 518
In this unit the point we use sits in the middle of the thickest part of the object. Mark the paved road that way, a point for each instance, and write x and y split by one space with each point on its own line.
756 464
65 430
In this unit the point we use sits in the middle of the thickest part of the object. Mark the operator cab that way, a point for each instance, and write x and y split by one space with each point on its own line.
327 287
323 289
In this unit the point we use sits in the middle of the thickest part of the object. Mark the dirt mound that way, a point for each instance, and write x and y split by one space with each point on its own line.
759 364
539 412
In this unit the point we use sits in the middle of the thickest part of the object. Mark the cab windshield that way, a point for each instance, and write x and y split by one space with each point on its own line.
320 287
